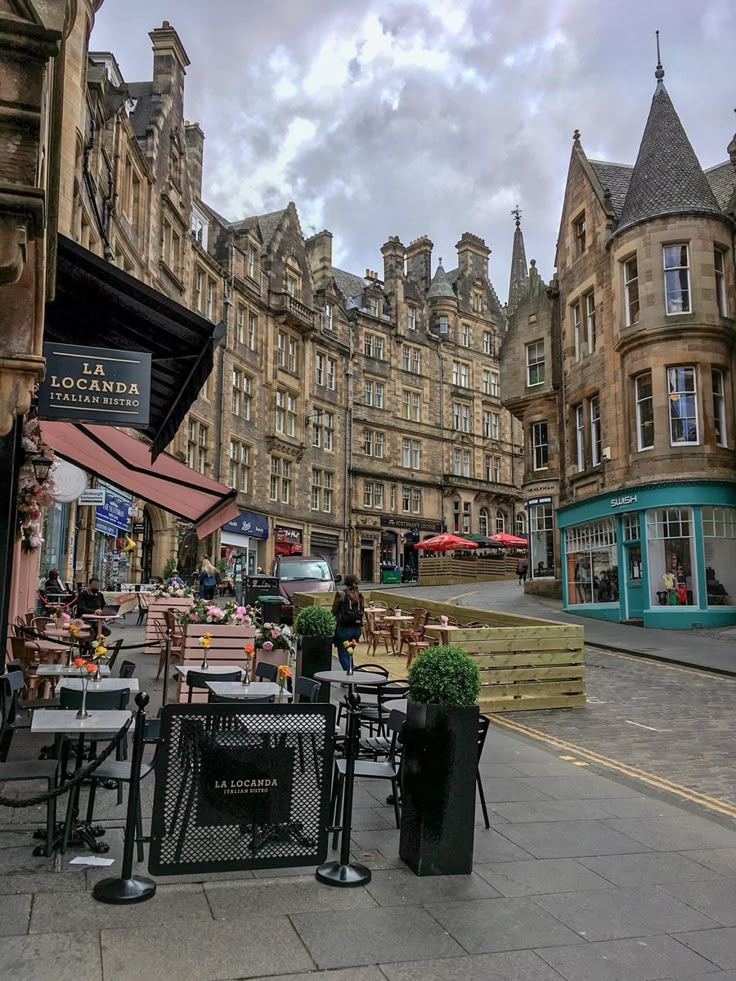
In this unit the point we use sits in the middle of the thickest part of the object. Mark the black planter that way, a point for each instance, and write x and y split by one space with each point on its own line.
316 655
438 789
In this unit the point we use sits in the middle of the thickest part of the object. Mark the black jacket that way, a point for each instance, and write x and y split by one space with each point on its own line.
89 602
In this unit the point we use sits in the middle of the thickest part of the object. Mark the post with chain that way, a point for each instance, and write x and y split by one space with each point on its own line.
167 664
129 888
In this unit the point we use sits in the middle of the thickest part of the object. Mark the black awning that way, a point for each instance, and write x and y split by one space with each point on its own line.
98 304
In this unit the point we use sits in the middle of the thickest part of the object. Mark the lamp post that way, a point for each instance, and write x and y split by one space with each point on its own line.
41 468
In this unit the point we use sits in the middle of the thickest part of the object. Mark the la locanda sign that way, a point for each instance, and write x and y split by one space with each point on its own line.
95 385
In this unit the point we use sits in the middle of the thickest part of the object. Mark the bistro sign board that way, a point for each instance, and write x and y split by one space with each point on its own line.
95 385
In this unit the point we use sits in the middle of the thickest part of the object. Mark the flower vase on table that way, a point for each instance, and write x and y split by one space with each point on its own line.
204 643
248 667
349 646
86 670
73 638
283 673
98 657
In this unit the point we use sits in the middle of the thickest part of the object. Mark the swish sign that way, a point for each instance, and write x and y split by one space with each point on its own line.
95 385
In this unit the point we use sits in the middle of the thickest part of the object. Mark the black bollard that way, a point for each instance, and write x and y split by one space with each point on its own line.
128 888
167 660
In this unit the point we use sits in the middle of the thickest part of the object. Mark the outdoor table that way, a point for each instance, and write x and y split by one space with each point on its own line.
62 633
46 646
397 705
101 618
213 669
64 722
256 689
104 684
345 873
396 620
66 670
441 630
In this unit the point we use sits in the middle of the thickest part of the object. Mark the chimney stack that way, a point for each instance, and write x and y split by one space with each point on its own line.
472 256
394 257
195 157
319 255
419 262
170 61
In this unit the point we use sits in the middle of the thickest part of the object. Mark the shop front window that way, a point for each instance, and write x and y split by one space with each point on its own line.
592 563
672 568
719 539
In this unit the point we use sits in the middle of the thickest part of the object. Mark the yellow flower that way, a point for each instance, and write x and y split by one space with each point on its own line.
205 641
100 650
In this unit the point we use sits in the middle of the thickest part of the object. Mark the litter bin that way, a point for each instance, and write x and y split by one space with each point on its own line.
390 575
271 608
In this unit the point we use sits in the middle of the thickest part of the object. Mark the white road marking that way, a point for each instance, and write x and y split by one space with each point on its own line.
651 728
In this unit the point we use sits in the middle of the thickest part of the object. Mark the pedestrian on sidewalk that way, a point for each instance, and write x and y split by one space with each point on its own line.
348 608
522 567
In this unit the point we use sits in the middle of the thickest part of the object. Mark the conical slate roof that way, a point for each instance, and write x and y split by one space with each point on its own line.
519 270
441 285
667 177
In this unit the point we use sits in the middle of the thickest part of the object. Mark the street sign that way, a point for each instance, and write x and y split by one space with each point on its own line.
93 497
242 787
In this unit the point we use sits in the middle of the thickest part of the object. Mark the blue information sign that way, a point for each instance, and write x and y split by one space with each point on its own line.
248 523
112 517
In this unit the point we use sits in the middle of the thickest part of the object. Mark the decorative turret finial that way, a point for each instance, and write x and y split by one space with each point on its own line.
576 136
517 215
440 260
659 73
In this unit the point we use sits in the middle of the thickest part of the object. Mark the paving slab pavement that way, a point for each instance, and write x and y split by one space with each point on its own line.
583 876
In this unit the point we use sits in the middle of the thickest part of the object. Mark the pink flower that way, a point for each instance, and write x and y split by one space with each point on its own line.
241 612
275 632
267 645
194 617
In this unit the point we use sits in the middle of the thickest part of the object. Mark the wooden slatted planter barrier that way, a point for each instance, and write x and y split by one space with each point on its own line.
156 610
226 648
445 570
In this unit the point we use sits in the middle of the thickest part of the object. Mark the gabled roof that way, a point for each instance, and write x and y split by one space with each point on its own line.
667 177
440 286
722 179
268 225
614 177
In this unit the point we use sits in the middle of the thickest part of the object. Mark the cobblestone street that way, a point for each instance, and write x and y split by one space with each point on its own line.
672 722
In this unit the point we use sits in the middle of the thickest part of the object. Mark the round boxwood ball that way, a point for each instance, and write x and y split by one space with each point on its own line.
444 675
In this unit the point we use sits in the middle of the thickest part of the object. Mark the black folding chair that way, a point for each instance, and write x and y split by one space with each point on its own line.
266 672
198 680
307 690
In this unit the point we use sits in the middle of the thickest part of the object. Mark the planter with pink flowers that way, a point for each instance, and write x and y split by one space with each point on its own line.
227 649
273 643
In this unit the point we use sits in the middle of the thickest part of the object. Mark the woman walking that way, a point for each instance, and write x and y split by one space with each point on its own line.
348 608
522 567
207 580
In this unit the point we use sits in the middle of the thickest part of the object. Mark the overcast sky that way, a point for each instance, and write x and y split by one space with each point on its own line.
412 117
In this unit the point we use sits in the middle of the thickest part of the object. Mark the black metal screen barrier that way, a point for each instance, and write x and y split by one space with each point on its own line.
242 787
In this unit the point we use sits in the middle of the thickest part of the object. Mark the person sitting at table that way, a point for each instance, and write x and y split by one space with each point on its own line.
175 579
91 600
53 585
348 608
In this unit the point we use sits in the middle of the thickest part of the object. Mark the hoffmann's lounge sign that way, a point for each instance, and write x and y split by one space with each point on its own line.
95 384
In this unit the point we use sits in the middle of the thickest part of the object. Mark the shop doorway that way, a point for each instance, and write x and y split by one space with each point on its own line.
367 563
634 582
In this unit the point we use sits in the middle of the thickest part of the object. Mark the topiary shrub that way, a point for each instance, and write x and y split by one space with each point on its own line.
444 675
315 621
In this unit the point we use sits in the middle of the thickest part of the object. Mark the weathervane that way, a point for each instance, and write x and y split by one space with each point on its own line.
517 213
659 73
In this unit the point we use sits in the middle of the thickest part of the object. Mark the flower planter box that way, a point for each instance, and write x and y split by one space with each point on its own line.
315 654
438 789
226 648
156 610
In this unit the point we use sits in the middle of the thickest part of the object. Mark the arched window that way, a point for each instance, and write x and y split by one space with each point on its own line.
500 522
483 521
521 524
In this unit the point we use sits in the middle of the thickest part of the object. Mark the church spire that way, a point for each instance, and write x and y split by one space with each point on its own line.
518 280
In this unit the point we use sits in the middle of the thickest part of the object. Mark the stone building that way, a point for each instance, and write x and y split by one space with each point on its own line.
626 367
324 381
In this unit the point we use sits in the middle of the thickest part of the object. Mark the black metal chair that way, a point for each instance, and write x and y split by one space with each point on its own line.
388 769
483 724
199 679
41 770
307 690
373 714
113 651
127 669
365 691
115 700
266 672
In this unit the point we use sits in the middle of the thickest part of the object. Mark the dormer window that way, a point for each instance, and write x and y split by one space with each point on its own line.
199 228
372 306
250 262
579 231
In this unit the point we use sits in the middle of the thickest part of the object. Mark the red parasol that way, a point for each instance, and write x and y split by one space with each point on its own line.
505 539
445 543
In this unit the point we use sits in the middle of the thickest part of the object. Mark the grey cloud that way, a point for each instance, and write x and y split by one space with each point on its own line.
410 149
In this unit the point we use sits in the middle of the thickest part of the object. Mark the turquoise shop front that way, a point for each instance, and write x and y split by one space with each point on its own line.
663 555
